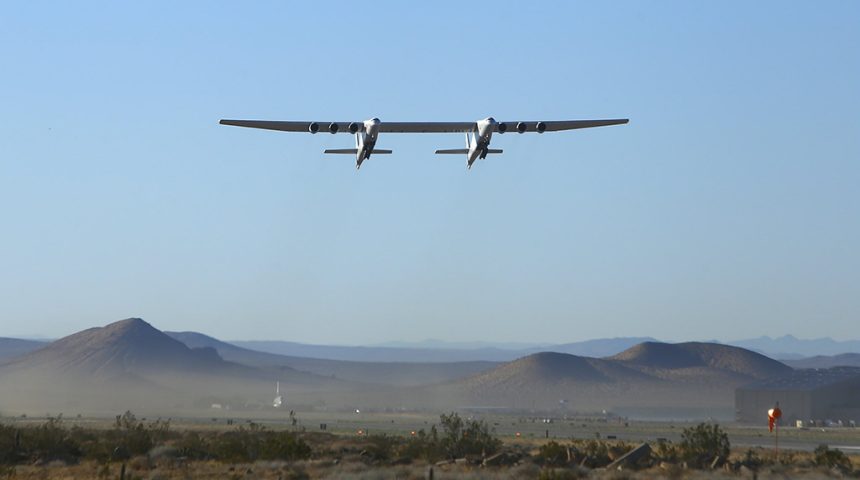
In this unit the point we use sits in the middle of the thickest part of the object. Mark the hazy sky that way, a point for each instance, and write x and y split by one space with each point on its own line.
729 207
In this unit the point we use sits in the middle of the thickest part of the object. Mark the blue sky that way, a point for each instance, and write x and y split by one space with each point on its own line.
729 207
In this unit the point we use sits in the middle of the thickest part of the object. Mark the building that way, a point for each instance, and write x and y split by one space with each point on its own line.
809 395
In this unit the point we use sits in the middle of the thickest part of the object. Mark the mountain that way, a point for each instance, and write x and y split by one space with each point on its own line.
123 347
649 374
379 354
790 347
601 347
13 347
826 361
130 363
655 357
387 373
432 343
438 351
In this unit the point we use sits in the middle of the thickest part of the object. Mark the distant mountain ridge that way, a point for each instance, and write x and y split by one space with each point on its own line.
787 348
388 373
442 351
650 373
13 347
826 361
791 347
131 364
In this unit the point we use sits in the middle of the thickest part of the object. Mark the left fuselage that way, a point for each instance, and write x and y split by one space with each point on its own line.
480 141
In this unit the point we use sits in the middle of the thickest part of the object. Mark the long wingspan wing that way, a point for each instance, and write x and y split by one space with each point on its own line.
558 125
282 126
458 127
423 127
387 127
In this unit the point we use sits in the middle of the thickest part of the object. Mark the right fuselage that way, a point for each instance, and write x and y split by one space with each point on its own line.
365 141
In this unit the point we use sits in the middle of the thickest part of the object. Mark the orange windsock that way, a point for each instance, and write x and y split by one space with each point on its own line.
772 416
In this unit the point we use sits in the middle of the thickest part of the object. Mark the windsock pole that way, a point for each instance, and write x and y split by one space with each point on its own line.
776 440
773 416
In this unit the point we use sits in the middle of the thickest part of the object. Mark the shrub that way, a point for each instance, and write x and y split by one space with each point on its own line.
596 453
9 439
191 445
128 437
466 437
553 454
256 443
700 444
831 457
50 441
752 459
381 447
665 451
284 446
560 474
423 445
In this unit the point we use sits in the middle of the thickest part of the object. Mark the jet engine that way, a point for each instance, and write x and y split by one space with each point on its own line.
541 127
502 127
522 127
353 127
314 127
333 127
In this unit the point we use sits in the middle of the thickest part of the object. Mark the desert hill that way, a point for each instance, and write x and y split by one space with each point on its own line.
132 364
656 356
126 346
386 373
649 374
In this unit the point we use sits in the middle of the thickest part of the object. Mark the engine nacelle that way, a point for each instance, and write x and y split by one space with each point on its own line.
353 127
541 127
502 127
522 127
333 127
314 127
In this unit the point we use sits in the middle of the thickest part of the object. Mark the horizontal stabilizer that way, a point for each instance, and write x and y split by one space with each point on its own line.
464 151
353 151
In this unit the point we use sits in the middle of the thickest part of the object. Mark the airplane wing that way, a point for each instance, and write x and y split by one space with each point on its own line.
282 126
427 127
386 127
423 127
559 125
459 127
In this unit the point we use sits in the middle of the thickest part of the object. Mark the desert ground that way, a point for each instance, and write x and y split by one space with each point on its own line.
373 445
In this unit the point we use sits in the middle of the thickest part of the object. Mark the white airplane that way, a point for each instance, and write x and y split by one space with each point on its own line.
478 134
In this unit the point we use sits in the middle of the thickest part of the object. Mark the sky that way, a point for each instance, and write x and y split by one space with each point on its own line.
727 208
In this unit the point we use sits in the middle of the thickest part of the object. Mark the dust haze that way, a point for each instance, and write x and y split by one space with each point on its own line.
131 365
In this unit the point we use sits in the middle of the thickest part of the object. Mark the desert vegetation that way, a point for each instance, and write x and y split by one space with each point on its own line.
455 447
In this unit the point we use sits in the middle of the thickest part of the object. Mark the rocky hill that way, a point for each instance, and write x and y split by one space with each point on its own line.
130 363
649 374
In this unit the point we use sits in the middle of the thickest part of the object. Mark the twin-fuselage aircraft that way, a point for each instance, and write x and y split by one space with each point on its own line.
478 134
